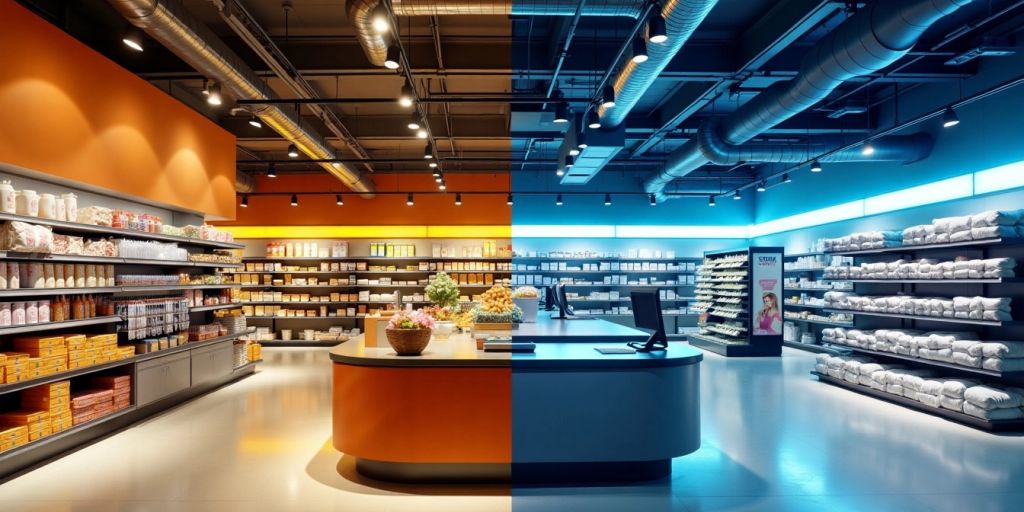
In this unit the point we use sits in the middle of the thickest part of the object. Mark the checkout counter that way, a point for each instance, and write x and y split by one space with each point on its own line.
564 412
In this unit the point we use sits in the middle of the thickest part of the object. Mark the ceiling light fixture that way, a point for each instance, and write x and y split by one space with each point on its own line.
607 199
711 200
761 187
561 113
245 201
574 152
560 172
338 200
255 122
458 199
295 199
654 201
421 133
815 166
786 178
414 121
442 186
271 170
405 96
380 19
432 164
736 196
569 161
868 149
639 50
949 118
608 96
593 120
581 140
558 200
213 96
428 151
409 200
293 152
656 29
508 200
394 55
133 40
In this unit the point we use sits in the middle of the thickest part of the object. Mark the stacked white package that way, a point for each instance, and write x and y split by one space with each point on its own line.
1002 356
863 241
967 308
992 268
992 402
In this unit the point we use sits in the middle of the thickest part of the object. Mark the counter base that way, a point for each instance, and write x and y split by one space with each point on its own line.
518 473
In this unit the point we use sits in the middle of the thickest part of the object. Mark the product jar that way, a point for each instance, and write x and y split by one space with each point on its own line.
5 314
71 206
44 311
27 203
47 206
18 313
32 312
7 201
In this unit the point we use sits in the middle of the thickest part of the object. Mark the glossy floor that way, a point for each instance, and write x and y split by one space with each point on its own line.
774 439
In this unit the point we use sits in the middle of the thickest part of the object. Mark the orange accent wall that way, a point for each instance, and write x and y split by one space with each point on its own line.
72 113
441 415
381 210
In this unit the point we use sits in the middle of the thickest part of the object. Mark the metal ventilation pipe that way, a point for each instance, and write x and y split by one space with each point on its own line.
170 23
360 13
869 41
894 148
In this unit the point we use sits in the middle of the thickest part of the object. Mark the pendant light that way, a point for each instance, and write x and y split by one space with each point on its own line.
736 196
338 200
949 118
438 178
654 201
405 96
574 152
815 166
133 39
593 120
569 161
607 199
255 122
786 178
868 149
245 201
271 170
561 113
608 96
761 187
213 95
380 19
458 199
639 50
428 151
293 152
409 199
581 141
432 164
558 200
442 185
508 200
393 57
560 172
295 200
414 121
421 133
711 200
656 29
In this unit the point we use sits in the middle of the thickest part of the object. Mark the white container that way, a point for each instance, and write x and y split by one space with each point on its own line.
18 313
47 206
529 307
7 201
286 334
50 274
13 275
31 312
3 275
27 203
44 311
5 314
70 206
58 276
62 210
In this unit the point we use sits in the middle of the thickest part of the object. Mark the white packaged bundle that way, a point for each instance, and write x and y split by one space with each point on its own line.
96 216
24 237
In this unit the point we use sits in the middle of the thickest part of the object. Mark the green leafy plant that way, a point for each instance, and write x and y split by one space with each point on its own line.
443 291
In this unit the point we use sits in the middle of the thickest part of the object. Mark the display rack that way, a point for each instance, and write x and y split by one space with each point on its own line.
802 305
991 330
585 283
730 287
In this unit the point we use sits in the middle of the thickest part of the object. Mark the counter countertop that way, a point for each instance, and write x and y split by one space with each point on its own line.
461 351
588 330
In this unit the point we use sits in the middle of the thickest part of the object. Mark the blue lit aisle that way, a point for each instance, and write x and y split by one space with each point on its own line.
774 439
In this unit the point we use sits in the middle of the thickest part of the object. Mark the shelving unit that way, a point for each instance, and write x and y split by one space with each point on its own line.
793 310
583 279
729 280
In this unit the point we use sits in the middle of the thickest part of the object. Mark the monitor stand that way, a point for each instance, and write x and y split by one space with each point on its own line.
657 342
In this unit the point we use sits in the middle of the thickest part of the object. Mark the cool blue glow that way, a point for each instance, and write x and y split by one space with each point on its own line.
999 178
839 212
556 231
935 192
682 232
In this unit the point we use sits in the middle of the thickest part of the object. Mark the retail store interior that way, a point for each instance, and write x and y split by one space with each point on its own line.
516 256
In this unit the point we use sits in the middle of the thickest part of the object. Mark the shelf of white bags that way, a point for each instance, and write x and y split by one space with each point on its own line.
990 323
997 280
932 247
928 362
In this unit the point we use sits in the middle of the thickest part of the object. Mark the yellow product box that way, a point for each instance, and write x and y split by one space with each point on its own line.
38 342
14 357
3 359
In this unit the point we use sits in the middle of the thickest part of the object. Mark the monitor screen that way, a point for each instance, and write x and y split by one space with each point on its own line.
647 313
563 302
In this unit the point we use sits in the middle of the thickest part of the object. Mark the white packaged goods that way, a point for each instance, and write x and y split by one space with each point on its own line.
24 237
95 215
70 206
27 203
7 201
47 206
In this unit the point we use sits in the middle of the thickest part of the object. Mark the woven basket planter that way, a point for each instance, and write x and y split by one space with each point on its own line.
408 342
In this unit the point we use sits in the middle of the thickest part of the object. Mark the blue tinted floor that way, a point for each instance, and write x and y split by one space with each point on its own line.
774 439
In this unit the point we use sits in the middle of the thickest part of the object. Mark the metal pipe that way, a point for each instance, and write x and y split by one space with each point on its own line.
565 47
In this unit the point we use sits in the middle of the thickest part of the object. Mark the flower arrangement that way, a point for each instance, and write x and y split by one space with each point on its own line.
441 314
414 320
526 292
443 291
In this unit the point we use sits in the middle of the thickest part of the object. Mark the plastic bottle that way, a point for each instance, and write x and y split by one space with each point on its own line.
47 206
70 206
27 203
7 201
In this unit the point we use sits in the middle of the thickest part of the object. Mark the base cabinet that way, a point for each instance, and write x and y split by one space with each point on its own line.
161 377
212 363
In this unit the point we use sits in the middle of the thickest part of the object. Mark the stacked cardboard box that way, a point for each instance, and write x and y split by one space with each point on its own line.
47 355
12 437
16 366
36 422
55 399
255 351
121 385
90 405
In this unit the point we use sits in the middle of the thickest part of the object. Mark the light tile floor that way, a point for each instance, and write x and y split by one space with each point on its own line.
773 439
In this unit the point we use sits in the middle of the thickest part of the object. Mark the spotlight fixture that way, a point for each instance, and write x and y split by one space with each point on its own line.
581 140
569 161
438 178
560 172
711 200
736 196
393 57
414 121
338 200
761 187
458 199
608 96
639 50
593 121
868 149
656 29
271 170
133 39
574 152
295 199
558 200
949 118
786 178
213 96
245 201
380 19
405 96
654 201
432 164
607 199
421 133
815 166
442 186
255 122
508 200
409 200
561 113
428 151
293 152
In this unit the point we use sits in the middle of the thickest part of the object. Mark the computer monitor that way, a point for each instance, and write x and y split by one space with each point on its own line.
550 302
647 317
564 310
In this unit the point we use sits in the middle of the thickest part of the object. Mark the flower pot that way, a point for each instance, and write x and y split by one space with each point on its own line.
443 329
408 342
529 307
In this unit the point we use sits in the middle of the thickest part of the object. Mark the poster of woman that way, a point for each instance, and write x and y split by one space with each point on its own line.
769 318
765 297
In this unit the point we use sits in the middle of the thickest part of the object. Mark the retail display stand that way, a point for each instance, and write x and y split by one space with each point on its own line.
740 294
803 289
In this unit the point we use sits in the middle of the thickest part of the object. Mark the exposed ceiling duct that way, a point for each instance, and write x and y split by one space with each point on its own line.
867 42
894 148
168 22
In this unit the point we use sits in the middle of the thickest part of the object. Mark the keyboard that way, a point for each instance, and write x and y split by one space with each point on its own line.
615 350
509 346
